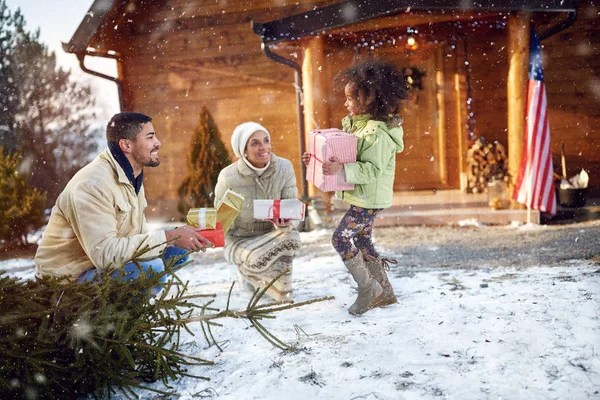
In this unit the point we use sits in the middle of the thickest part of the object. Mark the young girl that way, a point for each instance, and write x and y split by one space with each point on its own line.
374 90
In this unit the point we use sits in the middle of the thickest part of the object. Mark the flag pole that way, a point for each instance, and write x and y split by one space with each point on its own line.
529 201
536 162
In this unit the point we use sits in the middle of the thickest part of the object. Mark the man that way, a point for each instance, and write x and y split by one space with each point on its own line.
98 220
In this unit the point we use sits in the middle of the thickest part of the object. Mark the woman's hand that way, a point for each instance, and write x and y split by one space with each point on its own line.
280 222
306 157
333 167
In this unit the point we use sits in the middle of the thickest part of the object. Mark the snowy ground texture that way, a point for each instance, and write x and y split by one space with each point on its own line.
483 313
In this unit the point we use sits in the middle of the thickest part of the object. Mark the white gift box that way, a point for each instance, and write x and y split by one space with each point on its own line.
284 209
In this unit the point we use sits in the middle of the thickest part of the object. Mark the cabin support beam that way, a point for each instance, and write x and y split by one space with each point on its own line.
316 107
518 59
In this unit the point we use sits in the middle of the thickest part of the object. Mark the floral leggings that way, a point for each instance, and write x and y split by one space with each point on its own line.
354 233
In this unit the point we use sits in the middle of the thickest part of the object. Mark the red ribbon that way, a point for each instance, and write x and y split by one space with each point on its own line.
276 207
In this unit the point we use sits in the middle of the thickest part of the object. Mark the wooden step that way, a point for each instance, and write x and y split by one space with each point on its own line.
440 208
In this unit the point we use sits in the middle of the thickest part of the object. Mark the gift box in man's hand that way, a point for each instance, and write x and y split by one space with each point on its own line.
279 209
216 236
228 208
203 218
323 144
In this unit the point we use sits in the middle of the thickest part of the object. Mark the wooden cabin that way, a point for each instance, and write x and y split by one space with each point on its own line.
274 62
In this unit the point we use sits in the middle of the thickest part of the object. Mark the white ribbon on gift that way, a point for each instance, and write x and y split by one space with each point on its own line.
201 217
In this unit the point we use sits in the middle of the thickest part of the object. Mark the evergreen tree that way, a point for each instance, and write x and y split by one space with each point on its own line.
8 98
48 112
208 156
63 340
21 207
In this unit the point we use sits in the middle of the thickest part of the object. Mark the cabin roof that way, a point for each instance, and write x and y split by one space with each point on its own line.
329 17
353 11
92 21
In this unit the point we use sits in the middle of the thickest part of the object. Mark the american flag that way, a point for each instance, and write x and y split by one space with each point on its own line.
534 186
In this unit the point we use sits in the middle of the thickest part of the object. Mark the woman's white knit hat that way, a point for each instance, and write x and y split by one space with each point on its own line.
241 134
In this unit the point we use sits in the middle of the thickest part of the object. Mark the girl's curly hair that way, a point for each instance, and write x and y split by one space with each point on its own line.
377 85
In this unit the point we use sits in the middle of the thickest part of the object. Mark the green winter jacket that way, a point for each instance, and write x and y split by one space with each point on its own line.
375 166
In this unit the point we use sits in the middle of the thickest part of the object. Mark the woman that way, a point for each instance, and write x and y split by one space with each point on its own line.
262 249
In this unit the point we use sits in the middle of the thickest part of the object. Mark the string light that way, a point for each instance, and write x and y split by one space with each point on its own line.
411 43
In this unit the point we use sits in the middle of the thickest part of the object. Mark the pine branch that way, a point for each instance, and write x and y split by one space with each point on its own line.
253 312
247 313
109 335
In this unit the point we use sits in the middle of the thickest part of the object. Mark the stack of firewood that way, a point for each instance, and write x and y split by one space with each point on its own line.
485 161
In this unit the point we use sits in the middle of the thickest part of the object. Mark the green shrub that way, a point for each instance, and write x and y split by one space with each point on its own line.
21 206
208 156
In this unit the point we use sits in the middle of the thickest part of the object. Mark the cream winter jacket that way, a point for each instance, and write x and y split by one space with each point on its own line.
277 182
98 220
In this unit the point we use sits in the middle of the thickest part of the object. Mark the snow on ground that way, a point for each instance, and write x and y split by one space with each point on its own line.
495 332
21 268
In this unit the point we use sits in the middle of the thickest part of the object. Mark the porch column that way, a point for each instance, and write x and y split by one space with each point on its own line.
316 107
518 59
459 97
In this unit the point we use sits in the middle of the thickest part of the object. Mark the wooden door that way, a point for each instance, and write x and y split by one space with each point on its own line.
422 165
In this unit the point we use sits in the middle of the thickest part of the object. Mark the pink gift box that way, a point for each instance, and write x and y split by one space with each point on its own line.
324 144
275 209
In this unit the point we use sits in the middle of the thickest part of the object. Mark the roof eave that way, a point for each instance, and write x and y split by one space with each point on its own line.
353 11
89 26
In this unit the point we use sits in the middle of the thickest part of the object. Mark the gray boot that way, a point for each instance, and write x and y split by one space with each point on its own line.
369 290
377 267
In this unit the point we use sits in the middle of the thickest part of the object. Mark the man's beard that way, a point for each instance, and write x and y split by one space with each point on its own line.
153 164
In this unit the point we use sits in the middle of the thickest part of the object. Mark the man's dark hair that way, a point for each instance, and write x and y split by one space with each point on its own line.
379 82
125 125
